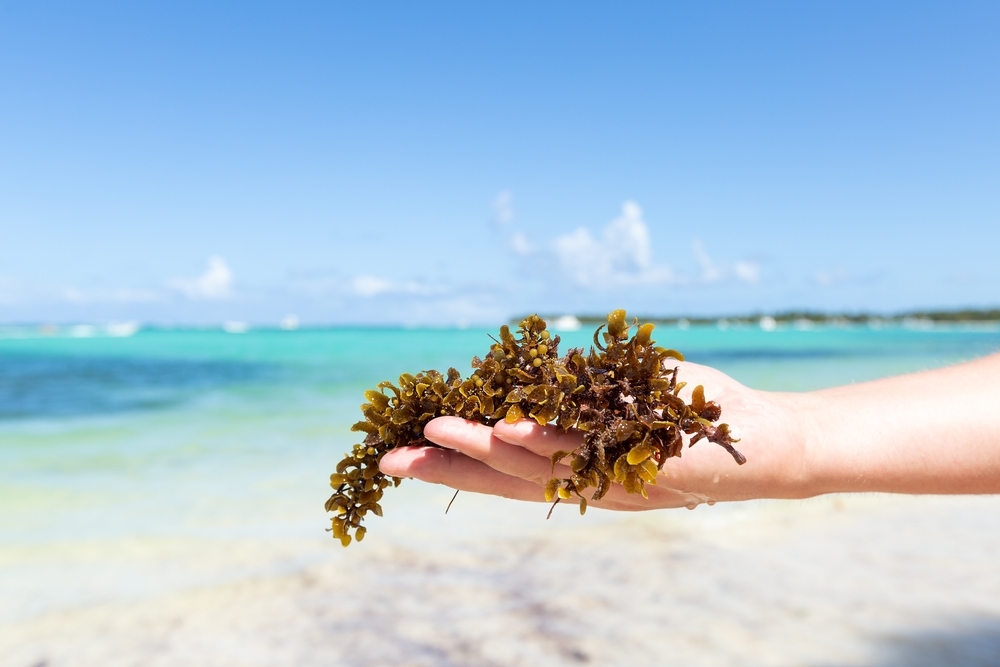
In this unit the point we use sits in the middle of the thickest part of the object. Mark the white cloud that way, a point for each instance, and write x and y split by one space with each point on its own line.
628 239
80 297
368 286
503 208
518 242
841 276
828 278
710 273
364 285
621 257
715 272
215 283
456 309
748 272
137 296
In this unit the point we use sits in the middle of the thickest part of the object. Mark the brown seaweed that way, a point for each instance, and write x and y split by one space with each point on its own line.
622 396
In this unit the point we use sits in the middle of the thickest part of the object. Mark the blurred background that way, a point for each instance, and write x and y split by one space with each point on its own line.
221 223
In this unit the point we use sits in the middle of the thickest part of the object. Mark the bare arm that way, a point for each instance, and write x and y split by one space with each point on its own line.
931 432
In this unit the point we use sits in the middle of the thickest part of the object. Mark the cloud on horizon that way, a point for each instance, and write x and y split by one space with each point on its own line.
841 277
713 272
215 283
369 286
572 268
122 295
620 257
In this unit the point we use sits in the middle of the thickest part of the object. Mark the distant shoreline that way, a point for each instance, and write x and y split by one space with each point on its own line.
799 319
804 317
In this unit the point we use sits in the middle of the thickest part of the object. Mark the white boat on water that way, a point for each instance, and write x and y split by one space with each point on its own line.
566 323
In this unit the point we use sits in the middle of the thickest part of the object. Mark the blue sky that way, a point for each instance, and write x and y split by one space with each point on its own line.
443 163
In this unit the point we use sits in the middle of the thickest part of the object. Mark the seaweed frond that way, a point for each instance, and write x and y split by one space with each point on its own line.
622 396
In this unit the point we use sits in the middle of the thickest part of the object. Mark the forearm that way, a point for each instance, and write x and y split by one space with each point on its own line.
931 432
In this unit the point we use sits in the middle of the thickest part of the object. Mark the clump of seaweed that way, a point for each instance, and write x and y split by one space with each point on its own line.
622 396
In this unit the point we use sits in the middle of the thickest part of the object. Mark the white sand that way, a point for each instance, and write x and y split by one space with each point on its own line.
872 580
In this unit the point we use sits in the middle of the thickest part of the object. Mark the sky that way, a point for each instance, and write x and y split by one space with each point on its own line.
458 163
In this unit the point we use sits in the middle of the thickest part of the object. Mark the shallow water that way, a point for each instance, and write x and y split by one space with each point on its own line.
140 465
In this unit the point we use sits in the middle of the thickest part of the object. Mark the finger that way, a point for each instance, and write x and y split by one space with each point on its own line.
546 440
454 469
542 440
478 442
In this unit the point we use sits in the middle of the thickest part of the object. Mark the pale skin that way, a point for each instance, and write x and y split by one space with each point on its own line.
934 432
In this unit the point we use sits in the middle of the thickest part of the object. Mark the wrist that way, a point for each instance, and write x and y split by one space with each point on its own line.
836 446
814 471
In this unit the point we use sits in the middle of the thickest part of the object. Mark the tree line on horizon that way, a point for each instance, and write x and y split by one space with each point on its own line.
814 317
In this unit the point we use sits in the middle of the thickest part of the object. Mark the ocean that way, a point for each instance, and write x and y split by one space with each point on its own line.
174 459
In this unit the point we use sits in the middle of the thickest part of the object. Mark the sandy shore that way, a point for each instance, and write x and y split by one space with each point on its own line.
876 580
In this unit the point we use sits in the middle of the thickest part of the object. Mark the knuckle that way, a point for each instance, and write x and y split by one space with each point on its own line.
540 472
433 466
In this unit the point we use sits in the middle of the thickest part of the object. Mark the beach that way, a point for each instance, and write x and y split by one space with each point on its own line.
832 581
178 520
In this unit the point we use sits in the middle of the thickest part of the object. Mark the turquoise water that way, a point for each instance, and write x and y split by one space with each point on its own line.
195 437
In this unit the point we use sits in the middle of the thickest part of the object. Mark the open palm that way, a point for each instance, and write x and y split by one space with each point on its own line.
512 460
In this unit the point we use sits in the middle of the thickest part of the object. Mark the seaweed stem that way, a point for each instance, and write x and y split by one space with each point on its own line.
451 501
549 515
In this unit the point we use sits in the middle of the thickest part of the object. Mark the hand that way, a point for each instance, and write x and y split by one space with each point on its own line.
512 460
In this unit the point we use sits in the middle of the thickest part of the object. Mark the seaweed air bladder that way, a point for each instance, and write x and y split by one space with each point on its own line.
622 395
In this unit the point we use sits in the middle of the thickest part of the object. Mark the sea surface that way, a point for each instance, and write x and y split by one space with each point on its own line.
169 459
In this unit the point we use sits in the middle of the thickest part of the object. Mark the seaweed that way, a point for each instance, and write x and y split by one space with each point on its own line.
622 395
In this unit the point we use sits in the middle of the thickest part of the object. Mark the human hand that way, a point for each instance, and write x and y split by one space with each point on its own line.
512 460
